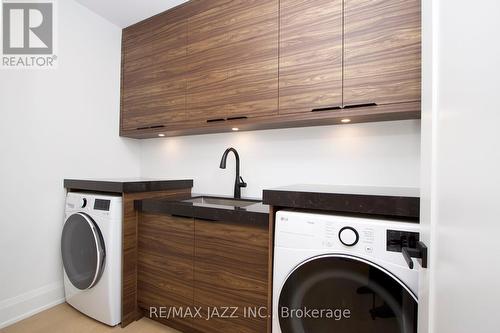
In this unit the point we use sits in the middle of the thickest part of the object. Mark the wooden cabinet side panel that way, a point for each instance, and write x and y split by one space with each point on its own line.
130 311
382 55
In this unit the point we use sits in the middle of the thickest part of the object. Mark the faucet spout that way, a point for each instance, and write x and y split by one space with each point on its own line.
238 183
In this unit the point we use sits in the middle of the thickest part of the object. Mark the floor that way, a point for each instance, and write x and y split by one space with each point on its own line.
65 319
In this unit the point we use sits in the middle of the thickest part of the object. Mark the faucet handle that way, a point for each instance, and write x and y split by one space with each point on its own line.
242 183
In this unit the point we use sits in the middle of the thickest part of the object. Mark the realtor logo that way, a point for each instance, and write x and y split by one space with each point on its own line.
28 34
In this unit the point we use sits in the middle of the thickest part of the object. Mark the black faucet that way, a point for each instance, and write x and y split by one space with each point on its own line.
238 183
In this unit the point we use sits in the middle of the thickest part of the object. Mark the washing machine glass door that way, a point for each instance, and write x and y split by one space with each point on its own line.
345 294
83 251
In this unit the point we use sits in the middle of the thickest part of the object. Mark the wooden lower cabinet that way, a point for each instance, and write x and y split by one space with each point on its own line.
220 267
231 270
165 269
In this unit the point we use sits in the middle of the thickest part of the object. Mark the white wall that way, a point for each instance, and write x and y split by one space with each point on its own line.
385 154
461 163
55 124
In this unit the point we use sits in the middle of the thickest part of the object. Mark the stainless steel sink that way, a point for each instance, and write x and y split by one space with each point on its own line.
222 201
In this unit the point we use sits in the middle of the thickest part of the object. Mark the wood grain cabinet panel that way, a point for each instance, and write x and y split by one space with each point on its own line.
169 66
310 75
233 60
137 52
207 90
382 51
165 261
231 270
154 68
209 66
253 58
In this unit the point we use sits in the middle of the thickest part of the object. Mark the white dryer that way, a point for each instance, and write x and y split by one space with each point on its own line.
343 274
91 246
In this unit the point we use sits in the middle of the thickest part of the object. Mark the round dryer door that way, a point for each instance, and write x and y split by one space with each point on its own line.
345 294
83 251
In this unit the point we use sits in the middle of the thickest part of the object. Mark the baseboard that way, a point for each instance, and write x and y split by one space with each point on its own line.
26 305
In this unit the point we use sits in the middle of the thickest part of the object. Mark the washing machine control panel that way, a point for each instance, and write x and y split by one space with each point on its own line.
105 206
364 237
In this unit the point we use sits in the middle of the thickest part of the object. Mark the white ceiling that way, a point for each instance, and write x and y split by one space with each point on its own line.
126 12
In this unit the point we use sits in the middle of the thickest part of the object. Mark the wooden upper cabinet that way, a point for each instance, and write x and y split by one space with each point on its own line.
382 51
137 76
208 65
154 67
169 66
207 90
310 75
253 58
233 60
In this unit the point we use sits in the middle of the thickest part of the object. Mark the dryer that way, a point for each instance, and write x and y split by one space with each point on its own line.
91 247
343 274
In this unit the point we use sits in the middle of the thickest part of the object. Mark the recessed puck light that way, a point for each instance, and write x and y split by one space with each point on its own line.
346 120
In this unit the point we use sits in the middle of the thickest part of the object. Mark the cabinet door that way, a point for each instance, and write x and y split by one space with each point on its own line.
233 60
165 261
137 76
310 75
207 85
154 67
169 67
382 51
253 58
231 265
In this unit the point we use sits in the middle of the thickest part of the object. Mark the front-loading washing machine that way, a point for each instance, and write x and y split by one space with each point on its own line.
91 248
343 274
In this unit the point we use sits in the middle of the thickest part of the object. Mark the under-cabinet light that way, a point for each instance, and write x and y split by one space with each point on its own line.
161 135
346 120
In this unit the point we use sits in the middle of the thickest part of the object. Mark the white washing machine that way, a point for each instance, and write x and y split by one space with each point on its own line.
343 274
91 247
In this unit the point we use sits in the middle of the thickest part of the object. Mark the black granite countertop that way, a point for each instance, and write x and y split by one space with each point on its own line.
133 185
399 202
256 213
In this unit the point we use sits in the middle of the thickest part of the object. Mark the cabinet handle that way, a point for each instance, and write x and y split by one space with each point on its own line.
363 105
340 107
183 216
149 127
329 108
205 219
237 118
215 120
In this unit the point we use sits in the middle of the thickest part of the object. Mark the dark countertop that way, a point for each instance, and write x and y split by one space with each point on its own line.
256 214
399 202
133 185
